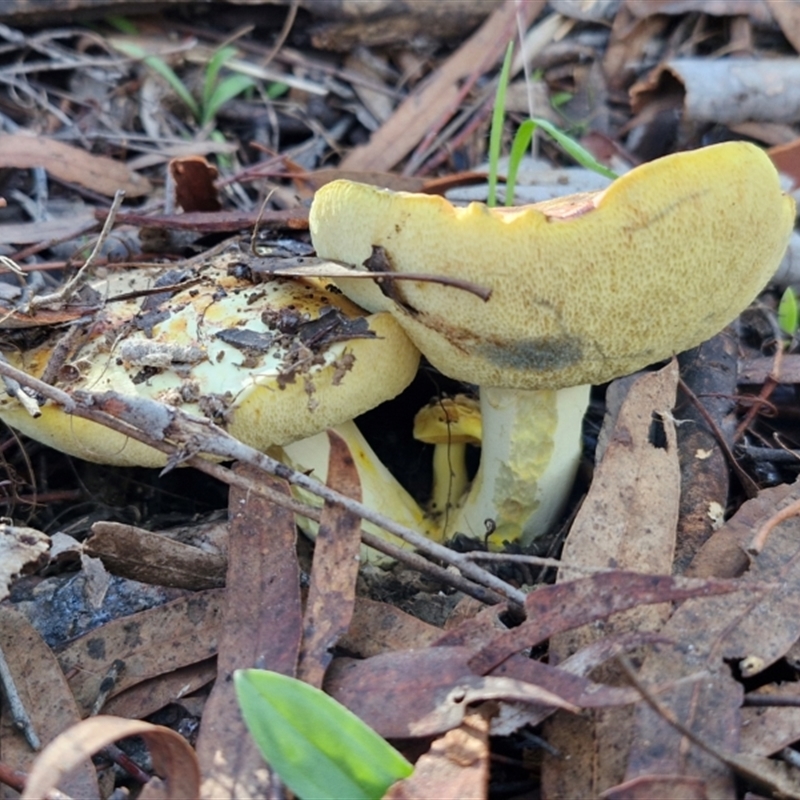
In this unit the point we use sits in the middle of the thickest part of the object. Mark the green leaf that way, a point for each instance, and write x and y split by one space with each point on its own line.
164 70
275 90
573 149
218 60
226 90
318 748
496 133
559 99
523 138
122 24
788 312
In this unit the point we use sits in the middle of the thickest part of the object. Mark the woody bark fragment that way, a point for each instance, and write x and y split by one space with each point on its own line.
730 91
709 373
67 163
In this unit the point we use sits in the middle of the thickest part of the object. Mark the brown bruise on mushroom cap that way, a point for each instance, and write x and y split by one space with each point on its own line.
262 396
584 289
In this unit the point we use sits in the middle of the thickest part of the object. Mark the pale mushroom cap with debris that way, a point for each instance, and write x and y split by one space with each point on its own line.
272 361
585 288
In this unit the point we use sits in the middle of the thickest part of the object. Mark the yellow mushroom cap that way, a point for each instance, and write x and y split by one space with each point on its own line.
585 288
449 420
244 353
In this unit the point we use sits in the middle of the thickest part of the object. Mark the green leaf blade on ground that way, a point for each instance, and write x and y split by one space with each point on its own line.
788 312
217 61
161 67
575 150
522 139
317 747
496 132
225 90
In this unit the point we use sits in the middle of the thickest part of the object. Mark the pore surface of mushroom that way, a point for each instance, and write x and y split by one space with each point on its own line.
584 289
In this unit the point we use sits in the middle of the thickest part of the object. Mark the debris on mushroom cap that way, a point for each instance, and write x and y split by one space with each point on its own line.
270 361
583 290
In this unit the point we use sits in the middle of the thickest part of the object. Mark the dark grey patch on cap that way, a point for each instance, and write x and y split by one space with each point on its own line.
531 355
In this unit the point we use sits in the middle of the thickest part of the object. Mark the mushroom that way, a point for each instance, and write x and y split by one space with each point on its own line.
272 361
449 424
584 289
379 488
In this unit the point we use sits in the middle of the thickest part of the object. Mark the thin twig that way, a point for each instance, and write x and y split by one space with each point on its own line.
14 389
769 700
11 265
770 384
760 539
16 780
65 292
748 484
760 771
184 437
257 223
338 269
12 777
19 714
172 288
776 455
291 15
408 557
539 561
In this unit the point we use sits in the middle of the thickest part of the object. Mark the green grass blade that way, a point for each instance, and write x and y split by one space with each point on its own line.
226 90
171 77
788 314
318 748
122 24
277 89
164 70
522 140
496 133
573 149
559 99
218 60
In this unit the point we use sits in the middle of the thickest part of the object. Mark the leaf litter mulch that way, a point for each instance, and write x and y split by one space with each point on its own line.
647 647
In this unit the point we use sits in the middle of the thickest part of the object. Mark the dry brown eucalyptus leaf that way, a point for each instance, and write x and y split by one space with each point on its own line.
262 626
46 697
21 550
173 757
332 593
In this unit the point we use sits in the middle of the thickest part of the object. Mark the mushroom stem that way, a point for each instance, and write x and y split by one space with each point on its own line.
531 450
450 478
449 424
379 488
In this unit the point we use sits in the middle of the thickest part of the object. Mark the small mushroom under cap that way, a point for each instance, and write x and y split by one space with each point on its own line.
584 289
449 424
